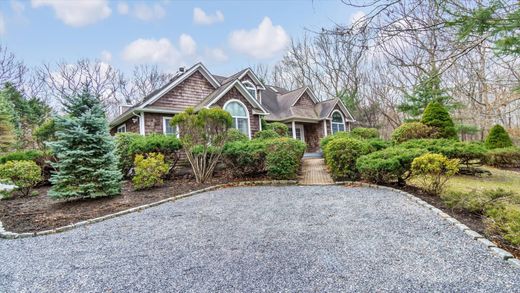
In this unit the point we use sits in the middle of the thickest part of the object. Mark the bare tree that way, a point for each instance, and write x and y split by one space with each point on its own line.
12 70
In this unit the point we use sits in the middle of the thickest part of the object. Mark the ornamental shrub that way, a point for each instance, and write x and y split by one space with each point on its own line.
391 165
24 174
324 141
126 157
245 157
283 158
504 157
278 127
341 155
469 153
377 144
498 138
433 171
266 134
412 130
365 133
149 170
236 135
436 116
30 155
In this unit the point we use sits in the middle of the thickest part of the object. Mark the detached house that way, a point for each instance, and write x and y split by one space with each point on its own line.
245 97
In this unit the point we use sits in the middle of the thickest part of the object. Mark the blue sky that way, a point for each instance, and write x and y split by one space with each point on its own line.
225 35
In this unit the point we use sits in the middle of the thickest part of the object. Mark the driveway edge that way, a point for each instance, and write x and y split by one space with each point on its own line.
13 235
490 246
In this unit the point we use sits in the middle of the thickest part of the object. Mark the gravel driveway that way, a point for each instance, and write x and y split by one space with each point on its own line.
311 238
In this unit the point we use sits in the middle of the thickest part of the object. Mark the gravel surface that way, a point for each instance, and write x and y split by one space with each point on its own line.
323 238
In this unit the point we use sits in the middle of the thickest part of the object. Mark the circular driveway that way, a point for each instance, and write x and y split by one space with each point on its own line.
309 238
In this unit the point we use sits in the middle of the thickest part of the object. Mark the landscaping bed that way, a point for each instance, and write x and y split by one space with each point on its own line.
37 213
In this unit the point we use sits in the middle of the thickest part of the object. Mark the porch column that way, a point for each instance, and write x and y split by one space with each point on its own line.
141 124
324 128
293 130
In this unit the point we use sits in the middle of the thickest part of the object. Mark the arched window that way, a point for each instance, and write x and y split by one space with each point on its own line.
338 123
250 88
240 116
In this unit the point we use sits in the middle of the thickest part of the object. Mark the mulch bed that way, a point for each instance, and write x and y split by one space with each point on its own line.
38 213
473 221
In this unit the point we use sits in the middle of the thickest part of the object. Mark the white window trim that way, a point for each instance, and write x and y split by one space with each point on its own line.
247 114
332 121
123 126
250 86
164 126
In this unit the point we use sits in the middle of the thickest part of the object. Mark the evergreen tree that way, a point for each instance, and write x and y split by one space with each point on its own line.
428 90
435 115
7 135
498 138
87 164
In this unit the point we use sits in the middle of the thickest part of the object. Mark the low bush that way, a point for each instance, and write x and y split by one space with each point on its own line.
504 157
469 153
324 141
24 174
377 144
498 138
433 171
365 133
479 201
126 158
236 135
149 170
341 155
266 134
245 157
42 158
278 127
413 130
505 220
391 165
283 157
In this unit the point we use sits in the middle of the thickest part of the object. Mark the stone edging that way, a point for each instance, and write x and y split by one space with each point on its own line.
12 235
492 247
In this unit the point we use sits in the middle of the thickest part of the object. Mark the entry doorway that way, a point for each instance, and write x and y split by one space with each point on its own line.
299 132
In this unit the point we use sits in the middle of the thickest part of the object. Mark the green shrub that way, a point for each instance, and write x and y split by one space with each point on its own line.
236 135
469 153
283 157
278 127
505 220
341 155
24 174
245 157
388 166
266 134
478 201
30 155
365 133
168 145
149 170
126 158
377 144
498 138
45 132
436 116
324 141
412 130
433 171
504 157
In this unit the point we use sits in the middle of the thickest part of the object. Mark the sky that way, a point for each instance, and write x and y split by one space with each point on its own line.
226 35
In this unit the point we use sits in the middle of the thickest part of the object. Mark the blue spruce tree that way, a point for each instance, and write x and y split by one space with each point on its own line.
87 164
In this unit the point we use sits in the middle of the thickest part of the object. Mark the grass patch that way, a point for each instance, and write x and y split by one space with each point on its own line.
507 180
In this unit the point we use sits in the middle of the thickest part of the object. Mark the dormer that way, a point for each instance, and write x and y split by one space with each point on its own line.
251 88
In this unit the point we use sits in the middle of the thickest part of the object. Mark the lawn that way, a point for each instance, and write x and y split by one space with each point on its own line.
505 179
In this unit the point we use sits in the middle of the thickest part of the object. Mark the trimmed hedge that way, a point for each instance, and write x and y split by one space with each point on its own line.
279 157
234 134
341 154
436 116
278 127
413 130
504 157
469 153
266 134
324 141
365 133
391 165
498 138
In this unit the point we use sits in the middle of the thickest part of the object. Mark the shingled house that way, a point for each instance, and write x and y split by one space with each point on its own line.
245 97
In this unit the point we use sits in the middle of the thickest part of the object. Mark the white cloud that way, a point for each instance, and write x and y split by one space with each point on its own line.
123 8
262 42
187 44
149 12
2 24
216 54
77 13
151 51
200 17
106 56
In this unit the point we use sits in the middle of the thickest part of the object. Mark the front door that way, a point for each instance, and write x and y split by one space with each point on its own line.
299 134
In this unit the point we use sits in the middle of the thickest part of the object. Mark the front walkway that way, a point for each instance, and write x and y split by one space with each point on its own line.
262 239
314 172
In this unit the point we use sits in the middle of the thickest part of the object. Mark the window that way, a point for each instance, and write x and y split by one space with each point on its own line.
250 88
338 123
121 128
298 131
168 129
240 116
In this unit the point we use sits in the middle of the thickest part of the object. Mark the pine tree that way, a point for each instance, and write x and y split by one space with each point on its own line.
498 138
435 115
87 164
7 134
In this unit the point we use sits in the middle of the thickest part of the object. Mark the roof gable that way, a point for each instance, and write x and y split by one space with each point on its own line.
219 93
